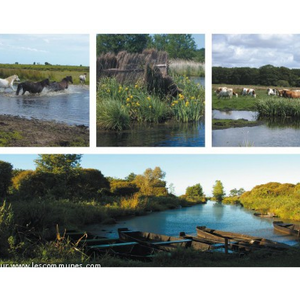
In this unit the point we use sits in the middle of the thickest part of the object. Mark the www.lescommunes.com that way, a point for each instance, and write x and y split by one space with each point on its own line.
37 265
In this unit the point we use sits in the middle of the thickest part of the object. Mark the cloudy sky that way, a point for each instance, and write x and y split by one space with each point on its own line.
256 50
235 171
57 49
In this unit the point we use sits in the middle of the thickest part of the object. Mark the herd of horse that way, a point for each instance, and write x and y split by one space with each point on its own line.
37 87
224 92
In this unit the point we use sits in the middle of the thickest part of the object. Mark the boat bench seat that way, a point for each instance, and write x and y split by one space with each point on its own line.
171 242
113 245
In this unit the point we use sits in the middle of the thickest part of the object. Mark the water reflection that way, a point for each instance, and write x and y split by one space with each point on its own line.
170 134
213 215
235 115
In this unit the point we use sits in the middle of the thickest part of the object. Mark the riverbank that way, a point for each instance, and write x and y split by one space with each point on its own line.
228 123
16 131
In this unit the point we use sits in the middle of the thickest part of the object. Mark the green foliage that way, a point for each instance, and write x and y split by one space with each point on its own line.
6 138
57 163
133 43
194 192
266 75
6 227
236 192
218 191
6 176
123 188
281 199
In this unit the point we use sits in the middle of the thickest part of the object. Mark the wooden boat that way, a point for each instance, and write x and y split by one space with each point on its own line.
287 228
267 215
238 241
153 240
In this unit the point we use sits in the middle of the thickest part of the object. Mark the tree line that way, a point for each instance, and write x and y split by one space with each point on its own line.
181 46
267 75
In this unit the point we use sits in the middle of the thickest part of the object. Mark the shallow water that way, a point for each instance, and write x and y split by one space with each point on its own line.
235 115
212 215
70 106
257 136
172 134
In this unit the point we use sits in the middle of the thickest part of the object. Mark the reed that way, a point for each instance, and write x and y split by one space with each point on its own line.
187 67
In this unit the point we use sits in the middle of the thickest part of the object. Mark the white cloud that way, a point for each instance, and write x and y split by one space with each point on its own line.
256 50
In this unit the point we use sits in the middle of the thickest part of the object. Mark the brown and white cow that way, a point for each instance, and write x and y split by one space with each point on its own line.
248 92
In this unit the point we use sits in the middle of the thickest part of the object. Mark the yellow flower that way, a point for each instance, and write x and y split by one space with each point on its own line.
126 89
138 104
128 100
136 86
131 97
187 103
108 90
128 104
193 98
149 98
120 88
150 106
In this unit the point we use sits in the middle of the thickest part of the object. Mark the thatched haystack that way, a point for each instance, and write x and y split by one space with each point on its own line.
150 67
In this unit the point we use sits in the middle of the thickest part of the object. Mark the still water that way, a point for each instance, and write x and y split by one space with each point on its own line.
212 215
170 134
70 106
270 133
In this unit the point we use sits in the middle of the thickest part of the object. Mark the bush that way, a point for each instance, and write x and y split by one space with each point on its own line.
123 188
6 176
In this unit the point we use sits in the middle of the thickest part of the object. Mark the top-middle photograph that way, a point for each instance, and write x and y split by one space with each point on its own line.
150 90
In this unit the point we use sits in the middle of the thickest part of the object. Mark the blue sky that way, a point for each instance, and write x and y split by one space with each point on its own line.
200 40
56 49
235 171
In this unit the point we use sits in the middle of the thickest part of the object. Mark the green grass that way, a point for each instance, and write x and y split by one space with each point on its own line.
228 123
120 105
40 72
7 137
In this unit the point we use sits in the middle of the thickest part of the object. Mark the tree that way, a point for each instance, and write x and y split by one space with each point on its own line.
235 192
133 43
194 191
58 163
130 177
6 176
218 190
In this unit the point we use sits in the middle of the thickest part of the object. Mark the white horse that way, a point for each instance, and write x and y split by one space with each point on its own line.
8 82
82 78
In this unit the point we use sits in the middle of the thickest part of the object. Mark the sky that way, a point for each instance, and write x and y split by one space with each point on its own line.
256 50
56 49
234 171
199 40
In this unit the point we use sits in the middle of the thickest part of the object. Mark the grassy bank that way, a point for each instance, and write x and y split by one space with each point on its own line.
187 68
227 123
40 72
120 105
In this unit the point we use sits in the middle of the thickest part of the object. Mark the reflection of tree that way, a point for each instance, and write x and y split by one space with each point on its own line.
218 210
281 122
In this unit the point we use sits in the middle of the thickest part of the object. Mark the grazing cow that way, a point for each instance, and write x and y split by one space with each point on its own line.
272 92
225 92
248 92
291 94
281 93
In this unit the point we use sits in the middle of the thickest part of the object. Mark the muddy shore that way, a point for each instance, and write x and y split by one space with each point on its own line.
21 132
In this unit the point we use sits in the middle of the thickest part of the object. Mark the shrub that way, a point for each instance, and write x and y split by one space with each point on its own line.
6 176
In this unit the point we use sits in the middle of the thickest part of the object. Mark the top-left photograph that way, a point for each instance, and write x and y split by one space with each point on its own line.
44 90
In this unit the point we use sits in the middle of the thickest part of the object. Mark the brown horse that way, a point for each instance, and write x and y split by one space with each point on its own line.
59 86
32 87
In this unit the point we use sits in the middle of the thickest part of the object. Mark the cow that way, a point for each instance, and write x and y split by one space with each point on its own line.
248 92
224 93
281 93
292 94
272 92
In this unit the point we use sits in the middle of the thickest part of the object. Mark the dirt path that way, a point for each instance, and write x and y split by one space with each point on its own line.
20 132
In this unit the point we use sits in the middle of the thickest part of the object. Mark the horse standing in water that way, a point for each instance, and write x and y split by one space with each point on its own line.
82 78
59 86
8 82
32 87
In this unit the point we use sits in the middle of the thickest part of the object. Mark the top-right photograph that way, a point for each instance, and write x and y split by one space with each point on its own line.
256 90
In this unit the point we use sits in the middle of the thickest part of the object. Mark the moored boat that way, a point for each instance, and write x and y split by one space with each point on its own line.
239 241
287 228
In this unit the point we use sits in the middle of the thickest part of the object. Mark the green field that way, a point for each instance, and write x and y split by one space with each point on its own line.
242 102
40 72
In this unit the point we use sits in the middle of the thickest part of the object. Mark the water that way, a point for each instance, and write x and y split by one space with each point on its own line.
171 134
235 115
257 136
270 133
70 106
212 215
200 80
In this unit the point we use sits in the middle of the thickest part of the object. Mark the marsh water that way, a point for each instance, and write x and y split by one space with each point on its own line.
70 106
269 133
212 215
169 134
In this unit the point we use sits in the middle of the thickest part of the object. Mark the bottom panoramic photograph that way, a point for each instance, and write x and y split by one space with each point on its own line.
72 210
